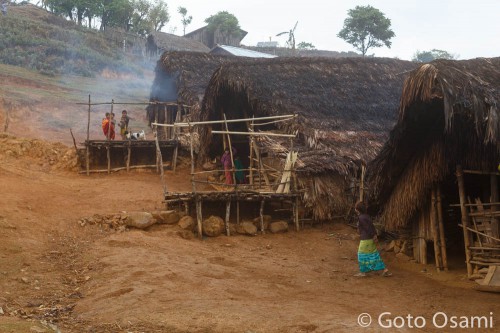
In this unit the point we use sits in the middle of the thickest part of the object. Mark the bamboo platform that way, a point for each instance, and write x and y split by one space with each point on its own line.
130 143
188 198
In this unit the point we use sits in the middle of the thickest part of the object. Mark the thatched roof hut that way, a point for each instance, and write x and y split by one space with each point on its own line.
449 115
159 42
184 76
345 108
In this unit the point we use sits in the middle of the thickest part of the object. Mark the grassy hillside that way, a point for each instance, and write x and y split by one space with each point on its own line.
33 38
48 65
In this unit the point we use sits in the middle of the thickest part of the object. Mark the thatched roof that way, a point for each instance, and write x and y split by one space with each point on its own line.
346 106
449 115
169 42
191 71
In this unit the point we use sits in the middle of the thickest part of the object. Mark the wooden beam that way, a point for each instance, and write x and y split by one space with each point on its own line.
434 231
228 213
88 139
442 237
465 217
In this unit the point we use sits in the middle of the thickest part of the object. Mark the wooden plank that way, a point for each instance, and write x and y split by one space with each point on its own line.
465 217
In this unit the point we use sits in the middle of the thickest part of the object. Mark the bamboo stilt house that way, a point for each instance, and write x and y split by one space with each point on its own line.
449 124
345 109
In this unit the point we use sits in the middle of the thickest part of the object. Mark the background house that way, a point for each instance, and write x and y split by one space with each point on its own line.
211 39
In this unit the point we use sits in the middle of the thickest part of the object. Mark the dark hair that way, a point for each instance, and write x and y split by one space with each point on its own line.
124 111
360 207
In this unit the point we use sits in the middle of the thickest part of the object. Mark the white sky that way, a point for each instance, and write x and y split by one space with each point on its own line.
466 28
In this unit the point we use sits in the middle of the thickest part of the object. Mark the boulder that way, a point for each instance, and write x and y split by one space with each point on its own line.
140 220
246 228
278 226
267 220
167 216
187 223
213 226
186 234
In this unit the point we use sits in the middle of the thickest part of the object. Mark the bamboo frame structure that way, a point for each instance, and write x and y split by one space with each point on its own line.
228 193
485 251
130 145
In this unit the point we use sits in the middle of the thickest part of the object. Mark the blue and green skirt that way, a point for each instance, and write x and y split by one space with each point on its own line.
368 257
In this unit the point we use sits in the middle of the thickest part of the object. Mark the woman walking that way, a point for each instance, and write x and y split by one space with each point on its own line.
368 256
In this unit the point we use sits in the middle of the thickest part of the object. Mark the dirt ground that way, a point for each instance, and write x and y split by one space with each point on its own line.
57 275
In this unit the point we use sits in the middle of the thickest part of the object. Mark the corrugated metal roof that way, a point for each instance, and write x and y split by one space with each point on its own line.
239 52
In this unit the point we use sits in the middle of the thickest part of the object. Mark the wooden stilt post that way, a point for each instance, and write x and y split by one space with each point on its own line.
87 158
494 198
192 158
199 217
434 229
442 238
237 211
129 152
261 214
110 125
362 183
228 213
160 160
465 218
296 212
230 150
250 181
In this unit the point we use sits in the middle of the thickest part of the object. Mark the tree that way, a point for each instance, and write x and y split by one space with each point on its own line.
366 27
225 22
186 20
306 46
291 36
159 16
428 56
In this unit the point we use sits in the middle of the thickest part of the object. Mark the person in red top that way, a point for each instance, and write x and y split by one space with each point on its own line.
228 164
106 126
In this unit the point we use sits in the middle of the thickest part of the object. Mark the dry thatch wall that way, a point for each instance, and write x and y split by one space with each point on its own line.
449 115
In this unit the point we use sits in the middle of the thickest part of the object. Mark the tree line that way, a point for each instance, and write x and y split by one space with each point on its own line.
135 16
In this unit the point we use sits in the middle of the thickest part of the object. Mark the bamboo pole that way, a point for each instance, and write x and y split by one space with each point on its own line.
255 134
199 217
228 213
129 153
296 213
144 166
442 237
261 215
481 233
160 160
192 158
110 123
435 238
229 121
362 183
233 173
237 211
87 158
494 198
251 153
465 217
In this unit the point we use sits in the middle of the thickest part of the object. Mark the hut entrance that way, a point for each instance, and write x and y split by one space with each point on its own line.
480 215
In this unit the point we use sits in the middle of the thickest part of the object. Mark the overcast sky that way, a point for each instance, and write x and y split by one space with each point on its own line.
466 28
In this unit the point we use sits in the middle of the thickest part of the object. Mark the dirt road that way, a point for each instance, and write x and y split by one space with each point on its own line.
91 279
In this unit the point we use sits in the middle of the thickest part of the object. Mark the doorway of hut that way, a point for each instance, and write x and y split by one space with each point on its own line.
478 189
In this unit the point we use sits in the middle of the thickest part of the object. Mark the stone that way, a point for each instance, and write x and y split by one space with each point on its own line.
166 216
37 329
232 228
186 234
187 223
267 220
278 226
390 246
25 280
397 249
404 247
246 228
140 220
1 311
213 226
